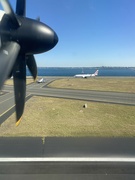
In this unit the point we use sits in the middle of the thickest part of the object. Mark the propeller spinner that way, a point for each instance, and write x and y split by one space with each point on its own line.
21 37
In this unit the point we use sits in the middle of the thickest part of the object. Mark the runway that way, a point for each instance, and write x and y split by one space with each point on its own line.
66 158
57 158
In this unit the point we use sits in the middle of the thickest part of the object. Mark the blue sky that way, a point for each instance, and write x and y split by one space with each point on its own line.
91 32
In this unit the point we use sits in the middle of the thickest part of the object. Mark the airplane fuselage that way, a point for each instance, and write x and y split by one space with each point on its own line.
83 75
86 75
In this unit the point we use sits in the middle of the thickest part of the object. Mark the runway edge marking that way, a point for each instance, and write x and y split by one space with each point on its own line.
10 111
71 159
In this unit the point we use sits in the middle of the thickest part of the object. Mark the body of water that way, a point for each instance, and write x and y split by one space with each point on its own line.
55 71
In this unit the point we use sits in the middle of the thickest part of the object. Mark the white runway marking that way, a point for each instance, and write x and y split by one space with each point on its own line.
71 159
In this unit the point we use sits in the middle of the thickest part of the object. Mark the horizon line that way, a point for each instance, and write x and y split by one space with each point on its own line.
85 66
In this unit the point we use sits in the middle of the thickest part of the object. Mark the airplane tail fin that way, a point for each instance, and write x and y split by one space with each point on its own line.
96 73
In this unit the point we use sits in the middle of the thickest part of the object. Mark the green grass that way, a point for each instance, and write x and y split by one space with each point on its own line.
59 117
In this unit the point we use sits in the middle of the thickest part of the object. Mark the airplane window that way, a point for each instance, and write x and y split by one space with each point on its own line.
67 89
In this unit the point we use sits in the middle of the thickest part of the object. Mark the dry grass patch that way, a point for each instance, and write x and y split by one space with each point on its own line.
116 84
59 117
10 81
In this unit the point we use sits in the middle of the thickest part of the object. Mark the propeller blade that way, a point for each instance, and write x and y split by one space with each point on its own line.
21 7
19 75
8 9
31 63
8 55
10 75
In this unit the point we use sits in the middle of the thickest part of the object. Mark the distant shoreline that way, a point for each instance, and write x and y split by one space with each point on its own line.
72 71
92 67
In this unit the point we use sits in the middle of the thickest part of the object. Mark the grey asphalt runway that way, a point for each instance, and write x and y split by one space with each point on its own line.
67 158
95 96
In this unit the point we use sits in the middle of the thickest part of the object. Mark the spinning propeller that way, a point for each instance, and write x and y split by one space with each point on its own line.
20 38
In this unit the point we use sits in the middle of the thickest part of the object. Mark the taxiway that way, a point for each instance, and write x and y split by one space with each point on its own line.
7 96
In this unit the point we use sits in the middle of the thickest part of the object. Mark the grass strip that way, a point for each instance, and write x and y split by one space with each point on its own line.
45 116
116 84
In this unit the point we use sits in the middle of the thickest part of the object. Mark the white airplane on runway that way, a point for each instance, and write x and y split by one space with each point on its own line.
86 75
41 80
